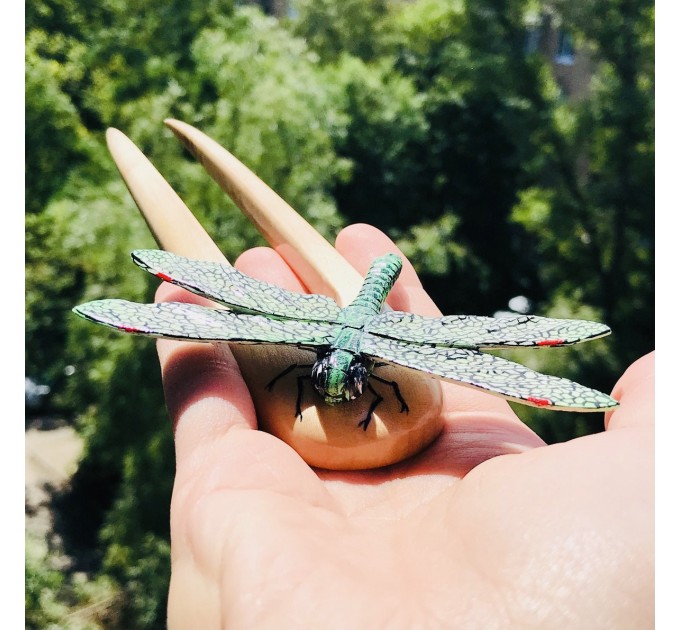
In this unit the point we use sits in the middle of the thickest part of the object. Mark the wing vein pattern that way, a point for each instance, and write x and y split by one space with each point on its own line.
442 347
470 331
230 287
487 372
178 320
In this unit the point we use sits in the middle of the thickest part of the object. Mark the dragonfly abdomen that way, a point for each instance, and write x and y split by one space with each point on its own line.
347 338
379 280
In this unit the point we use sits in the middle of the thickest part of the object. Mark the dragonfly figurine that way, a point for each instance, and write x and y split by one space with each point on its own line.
351 342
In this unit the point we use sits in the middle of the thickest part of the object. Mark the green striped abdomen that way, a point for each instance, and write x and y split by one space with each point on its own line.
379 280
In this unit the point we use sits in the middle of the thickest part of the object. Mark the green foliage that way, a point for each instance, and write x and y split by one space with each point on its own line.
54 131
334 28
426 119
55 599
144 571
269 99
592 215
383 139
446 121
238 76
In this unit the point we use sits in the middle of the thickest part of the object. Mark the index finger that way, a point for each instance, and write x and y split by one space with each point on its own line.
360 244
204 391
210 406
635 392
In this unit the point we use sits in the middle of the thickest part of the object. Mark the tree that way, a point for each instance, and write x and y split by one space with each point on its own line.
464 149
333 29
592 212
445 121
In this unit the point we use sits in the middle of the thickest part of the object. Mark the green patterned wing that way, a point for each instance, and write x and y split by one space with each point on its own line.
230 287
489 373
177 320
467 331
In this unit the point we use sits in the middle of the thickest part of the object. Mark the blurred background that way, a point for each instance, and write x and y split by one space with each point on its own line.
507 146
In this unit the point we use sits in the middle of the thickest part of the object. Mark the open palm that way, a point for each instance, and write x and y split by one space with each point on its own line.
487 528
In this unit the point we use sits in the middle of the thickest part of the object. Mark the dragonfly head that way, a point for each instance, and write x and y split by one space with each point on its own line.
339 376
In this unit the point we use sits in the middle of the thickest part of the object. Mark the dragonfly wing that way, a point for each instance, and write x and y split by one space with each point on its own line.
490 373
230 287
177 320
469 331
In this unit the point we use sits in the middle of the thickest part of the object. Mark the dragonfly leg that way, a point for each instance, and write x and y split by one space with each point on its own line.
300 386
300 390
269 386
395 389
374 405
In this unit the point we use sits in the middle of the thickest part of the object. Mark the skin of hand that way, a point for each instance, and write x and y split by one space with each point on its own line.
487 528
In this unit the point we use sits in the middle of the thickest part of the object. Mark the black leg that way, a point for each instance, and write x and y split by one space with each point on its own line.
298 401
300 389
288 370
395 389
374 405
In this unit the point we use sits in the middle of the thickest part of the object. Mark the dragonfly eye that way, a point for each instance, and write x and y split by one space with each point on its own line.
357 377
324 379
339 377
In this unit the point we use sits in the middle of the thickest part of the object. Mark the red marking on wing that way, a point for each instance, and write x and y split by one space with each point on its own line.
163 276
129 329
541 402
550 342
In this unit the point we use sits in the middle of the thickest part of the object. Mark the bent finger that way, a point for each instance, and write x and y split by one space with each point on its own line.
360 244
204 391
635 393
212 410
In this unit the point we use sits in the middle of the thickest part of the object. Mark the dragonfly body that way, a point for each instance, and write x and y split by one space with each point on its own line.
341 371
351 342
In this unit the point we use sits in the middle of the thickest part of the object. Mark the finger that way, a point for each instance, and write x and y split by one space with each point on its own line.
204 391
635 393
263 263
203 384
360 244
212 410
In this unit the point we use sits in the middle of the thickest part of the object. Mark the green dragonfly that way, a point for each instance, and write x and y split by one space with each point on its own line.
351 342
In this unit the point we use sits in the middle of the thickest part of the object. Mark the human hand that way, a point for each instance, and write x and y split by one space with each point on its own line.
488 527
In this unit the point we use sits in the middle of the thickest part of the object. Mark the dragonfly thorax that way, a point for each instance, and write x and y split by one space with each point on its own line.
339 375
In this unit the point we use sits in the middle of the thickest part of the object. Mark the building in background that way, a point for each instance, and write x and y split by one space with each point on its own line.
573 67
